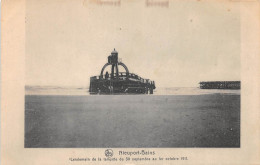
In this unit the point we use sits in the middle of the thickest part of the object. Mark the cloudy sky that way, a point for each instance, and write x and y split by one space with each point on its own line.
177 46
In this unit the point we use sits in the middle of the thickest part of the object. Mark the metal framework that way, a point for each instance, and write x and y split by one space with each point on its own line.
119 82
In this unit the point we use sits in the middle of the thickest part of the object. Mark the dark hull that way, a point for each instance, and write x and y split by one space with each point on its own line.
117 86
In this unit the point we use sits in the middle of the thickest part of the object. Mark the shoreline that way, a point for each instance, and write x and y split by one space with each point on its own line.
169 121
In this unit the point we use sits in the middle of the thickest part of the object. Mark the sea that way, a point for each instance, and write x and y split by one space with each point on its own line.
77 90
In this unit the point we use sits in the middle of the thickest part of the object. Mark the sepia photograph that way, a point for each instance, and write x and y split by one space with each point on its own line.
130 82
99 76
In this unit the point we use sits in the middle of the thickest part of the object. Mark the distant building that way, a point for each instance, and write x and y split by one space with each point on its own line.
220 85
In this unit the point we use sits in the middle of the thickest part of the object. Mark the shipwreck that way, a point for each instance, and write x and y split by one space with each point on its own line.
117 82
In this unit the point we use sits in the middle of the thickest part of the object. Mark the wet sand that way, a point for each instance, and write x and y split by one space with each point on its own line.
132 121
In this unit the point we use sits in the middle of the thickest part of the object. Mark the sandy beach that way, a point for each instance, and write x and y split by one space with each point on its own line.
211 120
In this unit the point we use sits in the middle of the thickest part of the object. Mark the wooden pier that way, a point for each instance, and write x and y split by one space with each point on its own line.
220 85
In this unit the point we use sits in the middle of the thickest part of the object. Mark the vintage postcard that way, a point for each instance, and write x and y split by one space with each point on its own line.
130 82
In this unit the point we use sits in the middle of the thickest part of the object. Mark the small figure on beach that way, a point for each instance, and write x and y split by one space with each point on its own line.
106 75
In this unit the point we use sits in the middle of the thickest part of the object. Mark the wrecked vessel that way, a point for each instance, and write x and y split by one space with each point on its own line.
117 82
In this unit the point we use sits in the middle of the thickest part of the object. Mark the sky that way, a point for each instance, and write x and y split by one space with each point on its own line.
68 41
